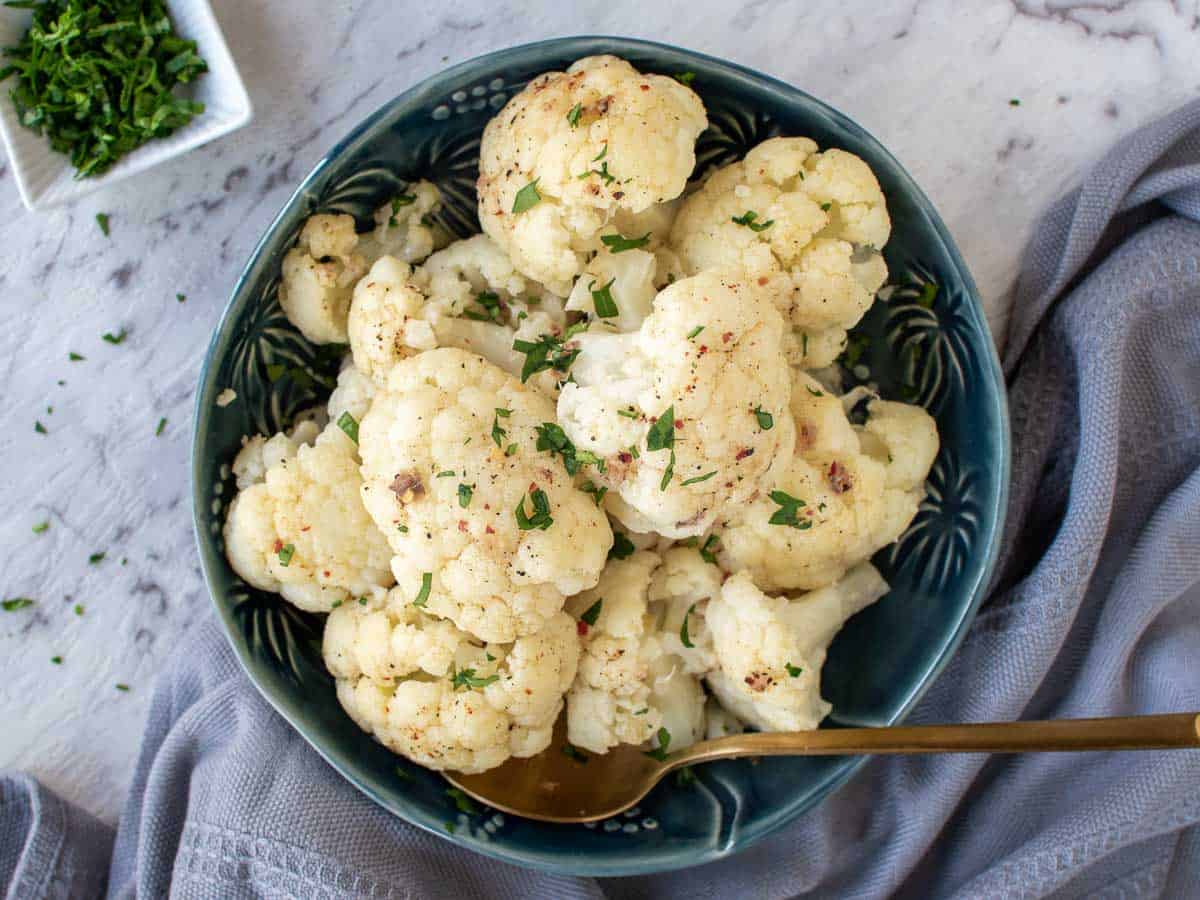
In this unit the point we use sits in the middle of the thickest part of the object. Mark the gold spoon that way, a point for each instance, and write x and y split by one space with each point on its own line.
557 785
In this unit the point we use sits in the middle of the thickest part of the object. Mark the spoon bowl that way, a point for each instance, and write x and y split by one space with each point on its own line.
563 784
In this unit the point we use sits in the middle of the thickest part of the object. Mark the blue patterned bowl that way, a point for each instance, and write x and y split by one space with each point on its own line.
932 348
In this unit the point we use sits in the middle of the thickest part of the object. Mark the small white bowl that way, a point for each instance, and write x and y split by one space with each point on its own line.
46 178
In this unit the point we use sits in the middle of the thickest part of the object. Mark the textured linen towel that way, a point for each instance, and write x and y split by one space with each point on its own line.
1095 611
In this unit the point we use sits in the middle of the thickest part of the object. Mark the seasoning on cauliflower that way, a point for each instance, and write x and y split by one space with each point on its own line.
771 649
298 526
442 698
387 320
847 493
404 226
629 686
318 276
689 411
484 529
571 150
807 225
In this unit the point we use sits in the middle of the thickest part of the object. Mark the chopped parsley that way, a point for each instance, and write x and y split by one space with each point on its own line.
602 172
466 678
403 529
102 222
162 424
1014 102
423 594
664 741
617 243
668 473
362 601
794 671
661 435
510 450
399 202
685 777
708 550
527 197
814 391
57 660
546 353
700 478
695 331
597 492
446 473
41 527
573 752
179 298
75 357
96 557
79 609
462 802
551 437
498 433
541 519
489 302
602 299
16 603
335 604
39 427
574 114
765 420
825 207
684 637
124 688
465 493
628 413
622 547
749 217
286 552
592 613
685 78
117 338
787 514
349 425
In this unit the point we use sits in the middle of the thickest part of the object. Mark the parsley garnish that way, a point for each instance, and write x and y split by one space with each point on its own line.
348 424
622 547
466 678
602 299
490 303
98 79
789 506
684 637
41 527
423 594
685 78
664 741
597 492
79 609
465 492
814 391
794 671
661 435
179 298
39 427
527 197
628 413
498 433
748 219
286 552
825 207
403 529
695 331
616 243
546 353
1014 102
335 604
700 478
114 338
398 202
57 660
765 420
102 222
462 802
574 114
551 437
592 613
162 424
709 547
75 357
124 688
603 172
541 519
668 473
573 752
804 342
96 557
16 603
447 473
685 777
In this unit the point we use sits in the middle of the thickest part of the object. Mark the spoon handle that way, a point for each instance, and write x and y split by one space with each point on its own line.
1160 732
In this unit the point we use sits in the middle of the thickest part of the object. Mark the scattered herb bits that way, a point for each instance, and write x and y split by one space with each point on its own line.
118 338
793 671
286 552
574 114
573 752
622 547
684 637
789 511
15 603
749 219
162 424
465 493
766 421
592 613
426 586
664 741
99 79
102 223
540 519
41 527
616 243
349 425
527 198
96 558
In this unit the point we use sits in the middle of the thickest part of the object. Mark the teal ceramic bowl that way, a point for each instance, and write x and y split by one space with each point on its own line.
932 348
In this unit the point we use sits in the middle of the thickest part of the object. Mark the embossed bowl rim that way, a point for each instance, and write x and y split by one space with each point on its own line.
759 828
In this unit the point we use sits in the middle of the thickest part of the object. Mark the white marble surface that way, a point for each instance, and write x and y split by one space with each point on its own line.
932 80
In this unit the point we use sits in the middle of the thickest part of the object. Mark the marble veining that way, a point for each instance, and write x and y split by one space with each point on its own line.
935 81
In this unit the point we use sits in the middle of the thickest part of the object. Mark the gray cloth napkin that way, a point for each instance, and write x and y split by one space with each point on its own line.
1095 611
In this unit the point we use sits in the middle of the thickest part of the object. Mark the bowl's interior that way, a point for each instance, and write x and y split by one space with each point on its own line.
938 354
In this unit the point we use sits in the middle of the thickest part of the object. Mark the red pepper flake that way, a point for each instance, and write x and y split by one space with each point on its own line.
744 452
762 280
278 545
839 478
306 528
727 337
532 486
462 525
703 349
581 628
490 530
678 423
759 681
326 573
625 457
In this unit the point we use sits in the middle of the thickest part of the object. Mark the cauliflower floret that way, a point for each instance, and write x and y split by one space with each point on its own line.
629 686
387 320
813 349
494 538
632 134
433 693
404 226
687 393
807 225
846 493
318 275
352 395
302 530
771 649
629 279
680 589
260 453
476 276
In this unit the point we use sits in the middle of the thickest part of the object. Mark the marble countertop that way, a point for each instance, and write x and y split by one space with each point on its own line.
933 80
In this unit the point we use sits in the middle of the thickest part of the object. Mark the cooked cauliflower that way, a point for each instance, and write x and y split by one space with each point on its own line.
771 649
404 226
807 225
680 589
352 395
298 526
488 531
689 411
574 148
629 686
847 493
442 698
387 320
318 276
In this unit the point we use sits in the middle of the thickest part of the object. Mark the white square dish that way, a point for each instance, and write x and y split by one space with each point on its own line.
46 178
